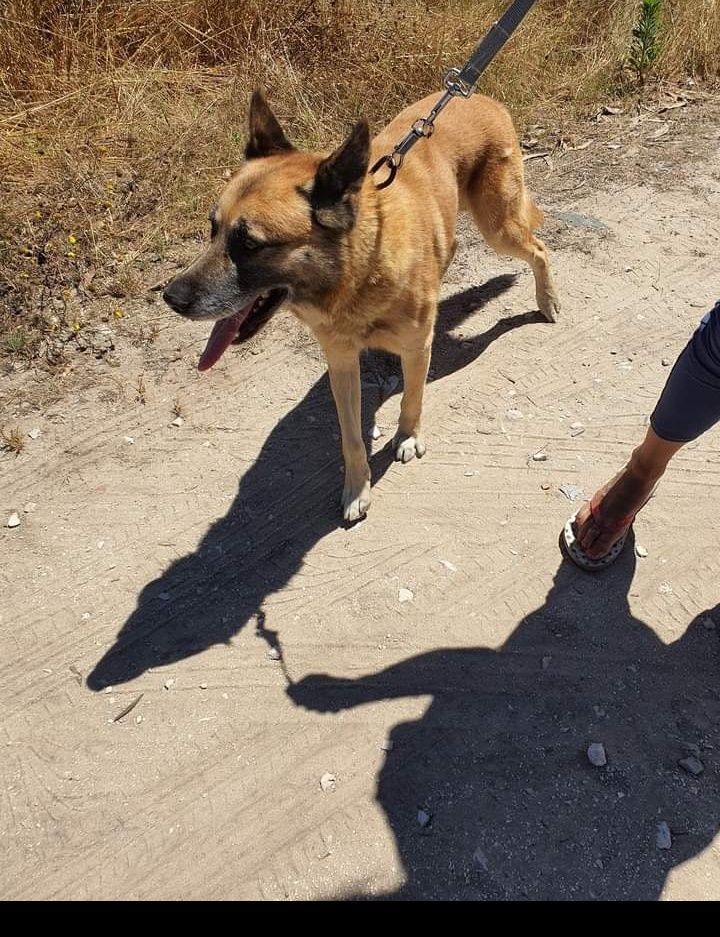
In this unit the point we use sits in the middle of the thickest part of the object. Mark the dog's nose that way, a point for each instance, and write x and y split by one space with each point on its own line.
178 295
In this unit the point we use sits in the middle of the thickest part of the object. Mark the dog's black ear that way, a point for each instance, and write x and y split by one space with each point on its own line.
266 134
339 179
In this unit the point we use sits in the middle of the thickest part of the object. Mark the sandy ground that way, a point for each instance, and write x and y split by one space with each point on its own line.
177 561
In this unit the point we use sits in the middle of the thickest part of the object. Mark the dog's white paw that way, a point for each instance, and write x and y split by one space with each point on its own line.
408 447
549 306
355 501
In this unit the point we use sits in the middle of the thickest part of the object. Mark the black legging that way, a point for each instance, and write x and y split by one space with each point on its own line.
690 403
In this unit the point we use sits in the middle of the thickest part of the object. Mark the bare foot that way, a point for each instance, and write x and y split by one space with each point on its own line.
617 503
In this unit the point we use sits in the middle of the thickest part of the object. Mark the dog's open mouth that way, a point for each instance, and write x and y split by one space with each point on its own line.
240 326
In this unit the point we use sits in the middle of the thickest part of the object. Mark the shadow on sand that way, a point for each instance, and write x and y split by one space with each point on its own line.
284 505
499 759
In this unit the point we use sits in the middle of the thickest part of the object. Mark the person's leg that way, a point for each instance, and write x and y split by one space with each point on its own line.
688 406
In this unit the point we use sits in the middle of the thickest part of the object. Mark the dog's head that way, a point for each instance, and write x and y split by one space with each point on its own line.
276 232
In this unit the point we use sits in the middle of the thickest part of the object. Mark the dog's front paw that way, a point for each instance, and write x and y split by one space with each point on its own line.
355 501
407 447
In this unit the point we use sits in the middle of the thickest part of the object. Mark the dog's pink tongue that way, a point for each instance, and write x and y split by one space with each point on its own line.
221 337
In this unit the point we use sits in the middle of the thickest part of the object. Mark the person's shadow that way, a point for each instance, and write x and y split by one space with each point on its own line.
286 502
497 768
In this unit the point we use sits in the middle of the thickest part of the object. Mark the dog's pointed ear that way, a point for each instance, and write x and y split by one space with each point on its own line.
339 179
266 135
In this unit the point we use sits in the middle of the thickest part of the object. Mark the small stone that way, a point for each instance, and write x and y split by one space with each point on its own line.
576 426
108 689
663 838
692 765
571 492
273 653
596 754
130 440
546 662
540 457
545 486
424 818
375 432
13 520
138 720
387 745
514 414
203 686
34 432
449 566
178 421
30 507
328 782
405 595
666 364
170 682
480 859
640 550
164 596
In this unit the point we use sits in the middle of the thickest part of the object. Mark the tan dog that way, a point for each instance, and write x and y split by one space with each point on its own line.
361 267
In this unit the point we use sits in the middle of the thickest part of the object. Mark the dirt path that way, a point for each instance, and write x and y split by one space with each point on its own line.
173 561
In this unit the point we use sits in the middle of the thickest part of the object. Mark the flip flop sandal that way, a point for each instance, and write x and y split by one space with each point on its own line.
576 553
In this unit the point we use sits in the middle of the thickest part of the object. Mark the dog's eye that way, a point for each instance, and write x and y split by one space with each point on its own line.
241 241
249 243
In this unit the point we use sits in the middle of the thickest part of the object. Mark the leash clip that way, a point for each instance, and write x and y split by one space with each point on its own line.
455 85
423 127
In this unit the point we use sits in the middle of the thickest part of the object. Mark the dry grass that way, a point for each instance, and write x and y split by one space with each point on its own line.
12 440
141 390
178 408
117 120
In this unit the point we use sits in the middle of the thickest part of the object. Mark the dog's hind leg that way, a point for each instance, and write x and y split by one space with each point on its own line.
408 441
508 218
344 373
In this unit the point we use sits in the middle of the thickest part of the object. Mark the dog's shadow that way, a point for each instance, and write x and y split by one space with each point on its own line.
286 502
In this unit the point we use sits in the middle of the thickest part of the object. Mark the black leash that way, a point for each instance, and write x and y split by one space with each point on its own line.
458 82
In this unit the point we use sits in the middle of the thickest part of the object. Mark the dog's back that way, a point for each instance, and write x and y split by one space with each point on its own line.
473 162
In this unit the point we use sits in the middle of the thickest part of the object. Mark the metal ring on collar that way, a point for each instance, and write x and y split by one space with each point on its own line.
393 161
